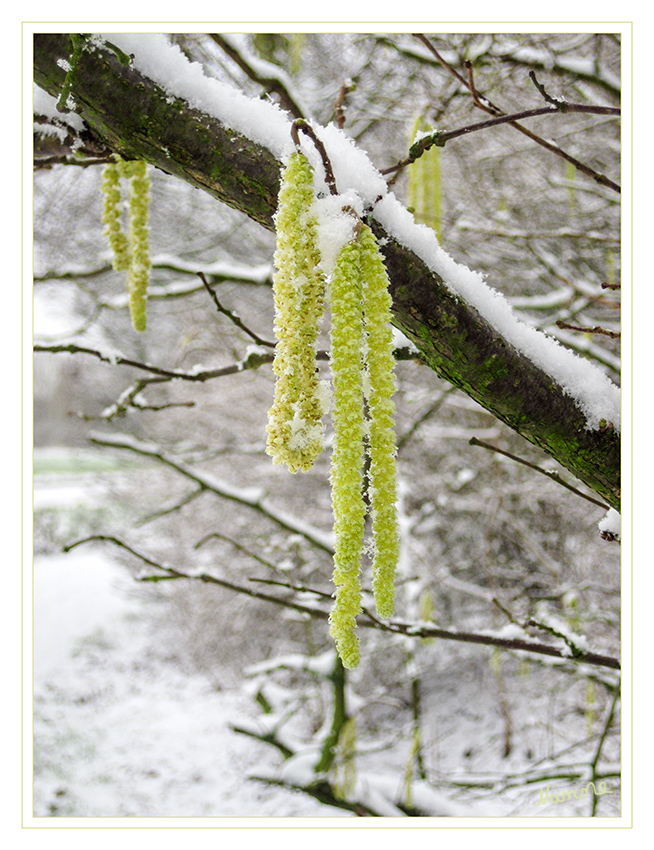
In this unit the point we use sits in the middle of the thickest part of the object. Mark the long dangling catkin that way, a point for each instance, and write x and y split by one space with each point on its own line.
131 253
362 365
111 218
139 270
424 185
347 456
295 429
380 363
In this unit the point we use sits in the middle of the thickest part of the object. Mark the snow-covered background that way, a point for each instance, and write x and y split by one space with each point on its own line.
119 731
124 728
137 685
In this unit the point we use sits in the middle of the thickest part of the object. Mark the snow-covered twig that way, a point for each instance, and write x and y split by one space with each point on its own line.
368 620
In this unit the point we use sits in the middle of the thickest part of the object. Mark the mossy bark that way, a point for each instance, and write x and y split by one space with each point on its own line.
461 346
134 117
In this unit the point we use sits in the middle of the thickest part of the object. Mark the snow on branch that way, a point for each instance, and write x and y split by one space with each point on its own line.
266 124
510 637
466 330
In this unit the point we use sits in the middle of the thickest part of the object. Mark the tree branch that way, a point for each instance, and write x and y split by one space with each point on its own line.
368 620
137 119
439 137
487 106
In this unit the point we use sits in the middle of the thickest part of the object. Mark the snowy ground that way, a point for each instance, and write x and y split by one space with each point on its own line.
119 731
123 730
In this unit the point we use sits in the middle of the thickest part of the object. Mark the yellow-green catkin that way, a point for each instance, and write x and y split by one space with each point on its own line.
424 186
111 218
295 429
570 176
347 760
380 387
131 251
347 456
139 270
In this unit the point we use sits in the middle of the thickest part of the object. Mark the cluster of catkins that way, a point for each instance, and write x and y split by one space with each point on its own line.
362 365
131 250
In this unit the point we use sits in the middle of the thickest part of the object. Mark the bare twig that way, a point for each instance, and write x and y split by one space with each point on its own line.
471 83
367 620
302 126
232 316
440 138
176 507
600 746
255 501
339 106
596 330
252 361
559 103
487 106
215 535
550 473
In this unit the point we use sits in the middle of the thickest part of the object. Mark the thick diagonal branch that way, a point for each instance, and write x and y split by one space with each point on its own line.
136 118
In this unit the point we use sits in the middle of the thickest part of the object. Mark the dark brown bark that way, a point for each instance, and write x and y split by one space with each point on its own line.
134 117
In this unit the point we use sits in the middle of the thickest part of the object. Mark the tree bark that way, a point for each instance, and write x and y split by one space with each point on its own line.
134 117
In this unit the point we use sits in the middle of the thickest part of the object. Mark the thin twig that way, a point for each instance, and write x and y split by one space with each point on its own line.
238 546
557 102
550 473
297 588
252 361
598 752
596 330
339 106
232 316
176 507
256 501
440 138
471 84
487 106
367 620
300 125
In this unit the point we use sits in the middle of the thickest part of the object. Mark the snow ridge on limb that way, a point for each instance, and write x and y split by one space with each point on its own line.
545 392
595 394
